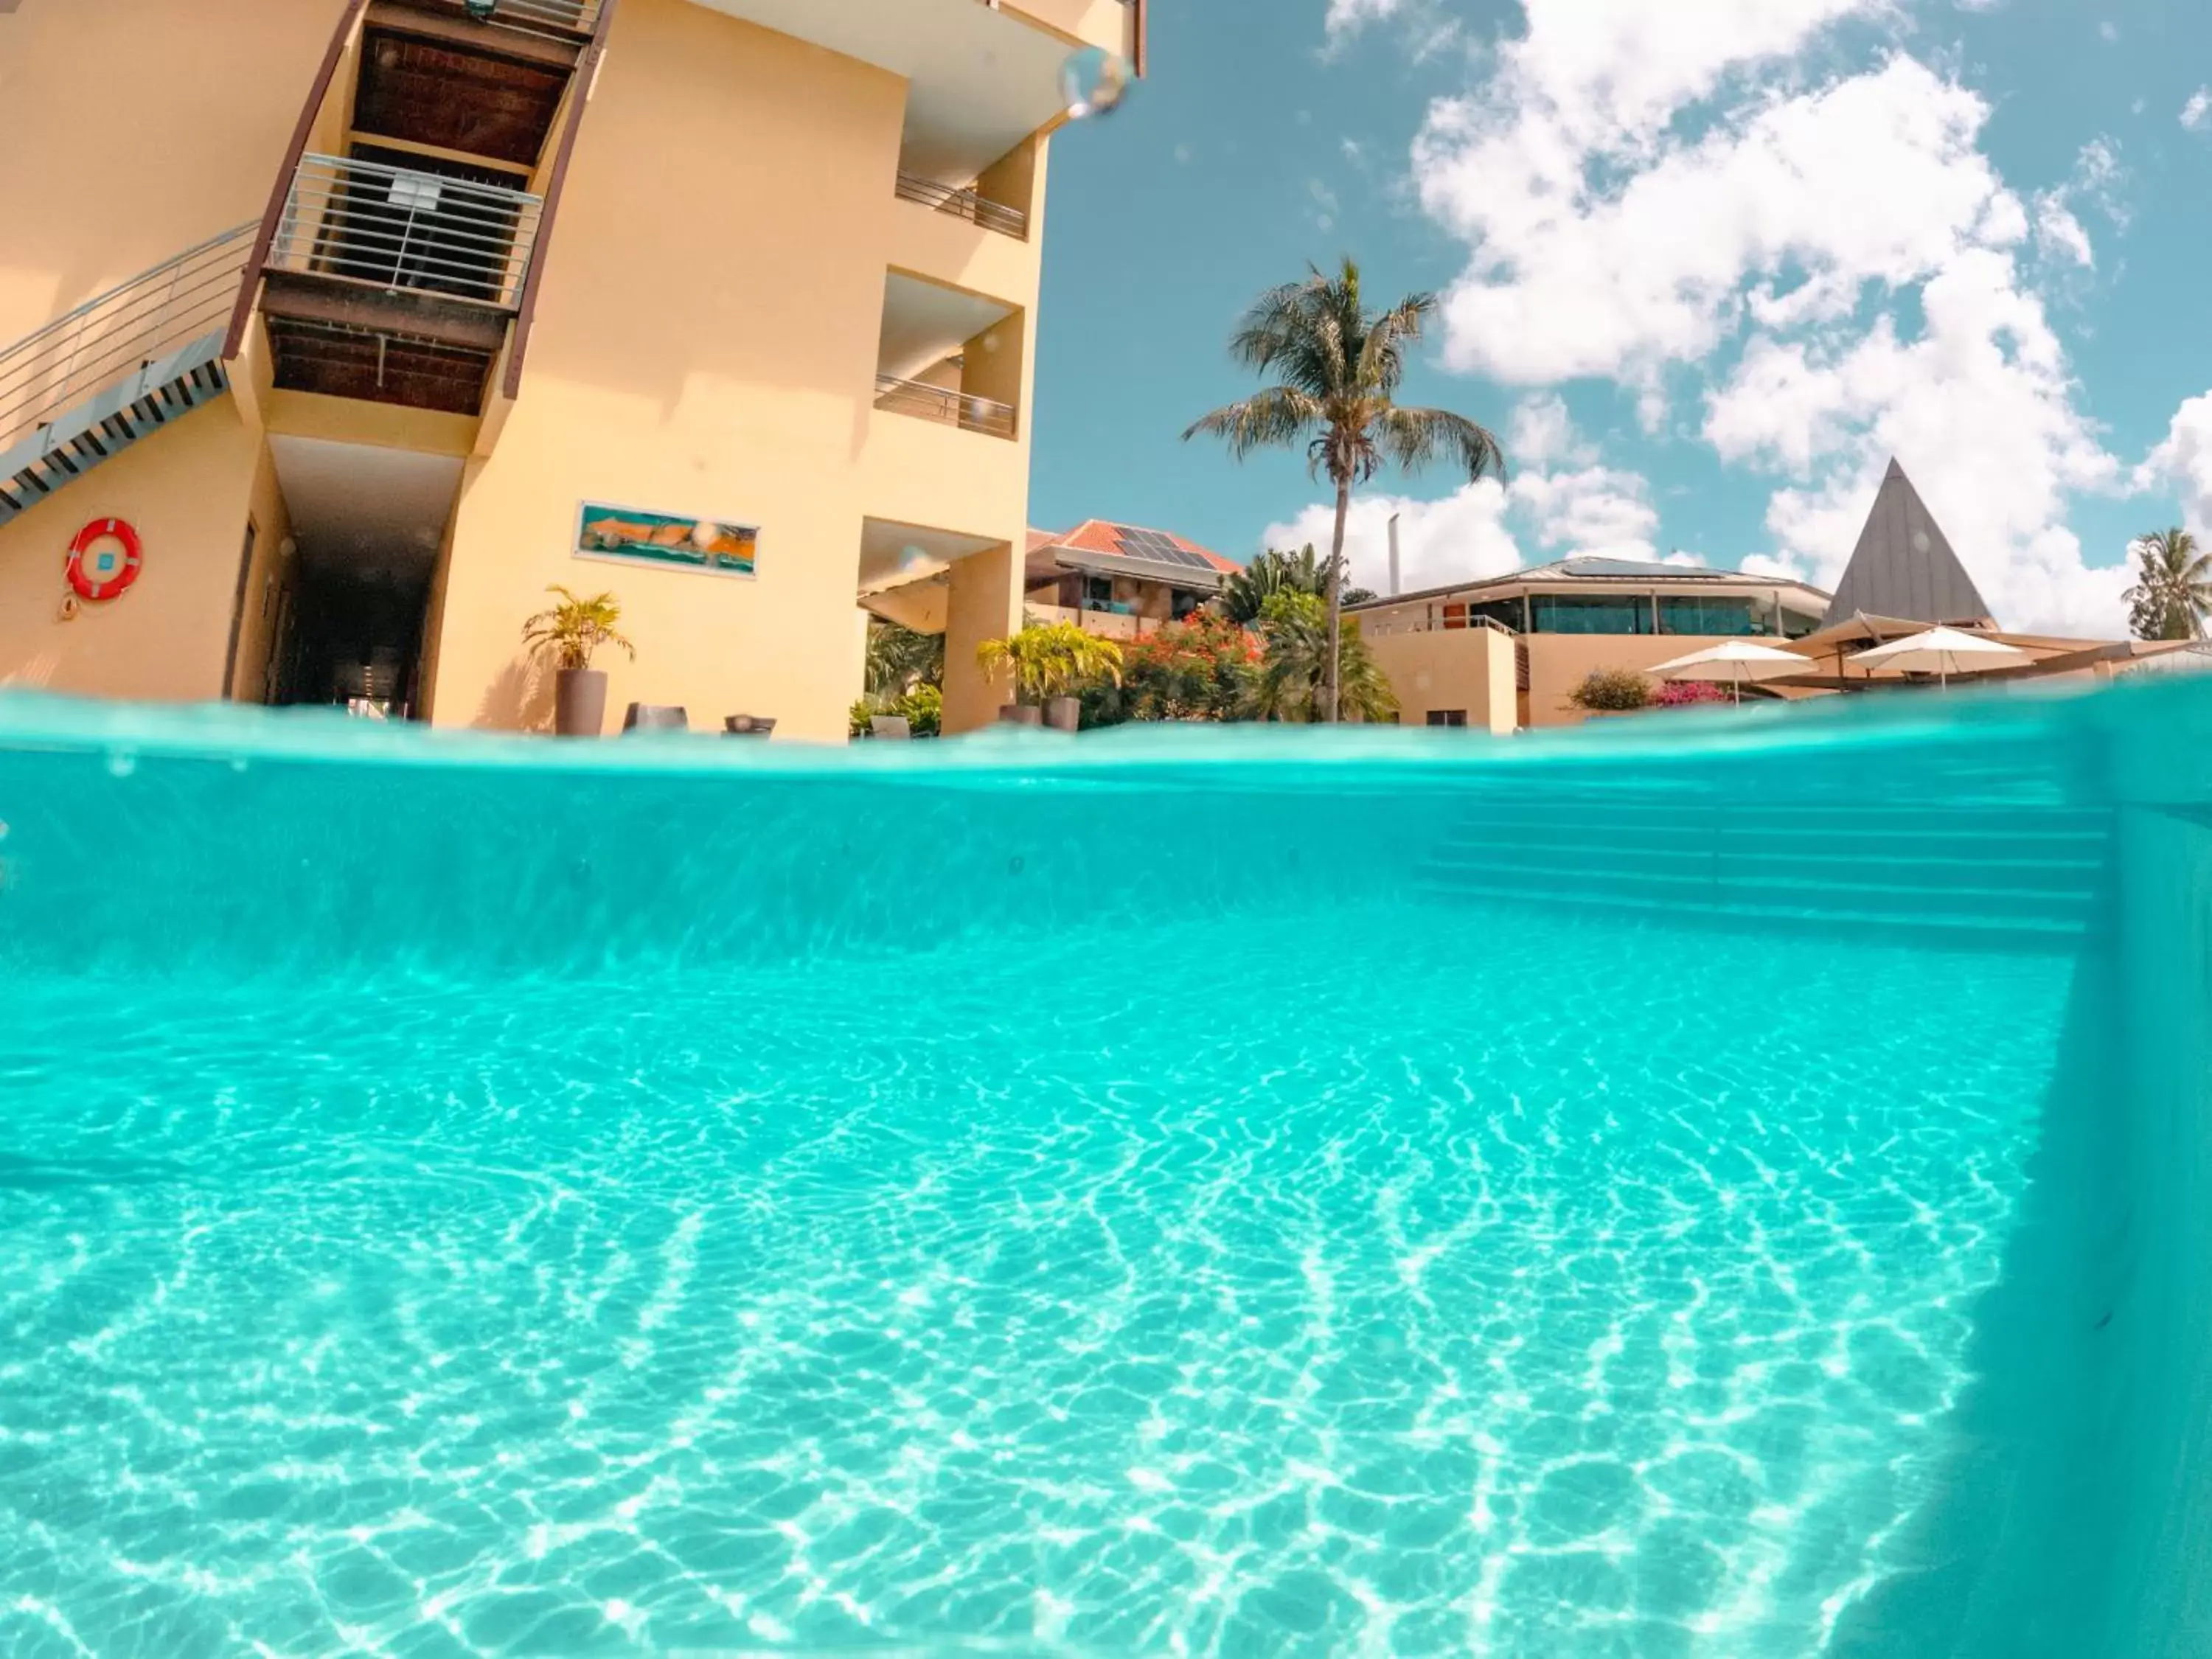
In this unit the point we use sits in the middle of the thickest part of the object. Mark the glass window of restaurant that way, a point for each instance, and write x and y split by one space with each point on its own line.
1715 616
1562 613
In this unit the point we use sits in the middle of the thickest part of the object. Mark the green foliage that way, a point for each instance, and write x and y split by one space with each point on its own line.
1271 573
2173 594
1611 689
1053 659
1289 683
1193 670
899 658
576 628
1336 368
922 708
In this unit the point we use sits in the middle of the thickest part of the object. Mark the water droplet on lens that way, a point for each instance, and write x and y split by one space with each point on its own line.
121 764
1092 81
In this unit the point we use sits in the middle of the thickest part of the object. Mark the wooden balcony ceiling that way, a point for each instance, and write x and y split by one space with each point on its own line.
456 95
342 362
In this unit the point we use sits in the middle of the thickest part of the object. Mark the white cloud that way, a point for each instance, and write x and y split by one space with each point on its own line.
2198 110
1344 16
1463 536
1488 528
1978 406
2184 462
1543 432
1788 211
1747 194
2109 32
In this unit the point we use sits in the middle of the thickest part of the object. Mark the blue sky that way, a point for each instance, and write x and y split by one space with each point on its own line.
1704 267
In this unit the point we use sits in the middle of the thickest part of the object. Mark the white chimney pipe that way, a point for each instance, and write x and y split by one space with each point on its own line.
1394 555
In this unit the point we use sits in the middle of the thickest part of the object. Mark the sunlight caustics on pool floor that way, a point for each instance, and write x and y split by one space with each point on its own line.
1305 1244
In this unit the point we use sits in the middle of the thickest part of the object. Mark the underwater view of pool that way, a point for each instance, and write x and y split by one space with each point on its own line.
1196 1195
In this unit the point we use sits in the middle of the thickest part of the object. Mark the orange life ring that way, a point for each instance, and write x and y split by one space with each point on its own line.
106 579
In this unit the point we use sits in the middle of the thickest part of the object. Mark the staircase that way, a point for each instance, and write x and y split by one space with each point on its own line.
1969 849
92 383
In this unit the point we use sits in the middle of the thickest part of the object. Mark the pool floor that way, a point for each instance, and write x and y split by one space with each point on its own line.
1382 1279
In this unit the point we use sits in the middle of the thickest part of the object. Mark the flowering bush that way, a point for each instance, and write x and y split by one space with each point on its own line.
1677 694
1193 670
1609 689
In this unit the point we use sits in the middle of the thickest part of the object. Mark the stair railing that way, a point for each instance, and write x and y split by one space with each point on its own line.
115 334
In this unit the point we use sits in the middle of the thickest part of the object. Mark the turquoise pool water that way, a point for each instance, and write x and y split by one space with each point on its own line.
1188 1197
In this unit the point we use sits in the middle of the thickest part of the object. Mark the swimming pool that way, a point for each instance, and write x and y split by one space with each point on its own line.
1698 1191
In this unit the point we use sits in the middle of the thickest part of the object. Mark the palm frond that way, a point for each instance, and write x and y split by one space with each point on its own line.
1412 437
1275 417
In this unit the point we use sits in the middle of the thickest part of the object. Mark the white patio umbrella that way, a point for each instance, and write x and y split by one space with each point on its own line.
1944 652
1735 661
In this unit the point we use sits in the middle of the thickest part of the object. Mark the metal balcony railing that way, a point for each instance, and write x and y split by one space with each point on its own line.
965 204
570 16
115 334
395 228
942 404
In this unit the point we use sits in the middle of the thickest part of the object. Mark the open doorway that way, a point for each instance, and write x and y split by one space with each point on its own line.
354 638
369 522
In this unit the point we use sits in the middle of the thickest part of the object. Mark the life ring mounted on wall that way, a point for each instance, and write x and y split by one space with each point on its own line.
104 574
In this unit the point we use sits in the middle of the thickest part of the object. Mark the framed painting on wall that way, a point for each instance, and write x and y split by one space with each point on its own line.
679 541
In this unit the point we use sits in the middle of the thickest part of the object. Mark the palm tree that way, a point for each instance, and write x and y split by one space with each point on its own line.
1291 681
1244 594
575 628
899 658
1337 368
2173 594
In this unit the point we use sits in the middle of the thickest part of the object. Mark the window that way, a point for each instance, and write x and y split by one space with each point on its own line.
1627 613
1714 618
1097 593
1181 602
1448 717
1507 612
1795 625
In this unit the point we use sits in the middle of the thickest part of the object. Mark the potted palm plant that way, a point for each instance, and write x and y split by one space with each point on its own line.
1050 662
572 631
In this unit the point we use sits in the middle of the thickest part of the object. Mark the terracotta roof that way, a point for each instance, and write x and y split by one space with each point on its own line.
1104 536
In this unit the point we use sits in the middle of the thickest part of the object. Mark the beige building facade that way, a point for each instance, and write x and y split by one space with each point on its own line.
1509 653
418 307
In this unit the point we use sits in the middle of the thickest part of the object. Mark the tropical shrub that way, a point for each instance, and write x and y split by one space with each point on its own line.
1289 682
1677 694
1052 659
1193 670
1611 689
923 709
899 658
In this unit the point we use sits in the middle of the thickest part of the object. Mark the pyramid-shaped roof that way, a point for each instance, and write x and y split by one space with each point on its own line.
1904 566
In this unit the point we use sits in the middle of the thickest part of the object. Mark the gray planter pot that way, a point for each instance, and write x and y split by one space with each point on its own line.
1064 714
579 701
1020 713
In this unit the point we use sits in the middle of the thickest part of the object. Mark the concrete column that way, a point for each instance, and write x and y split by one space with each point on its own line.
985 602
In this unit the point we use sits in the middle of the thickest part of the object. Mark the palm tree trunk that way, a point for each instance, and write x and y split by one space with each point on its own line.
1334 588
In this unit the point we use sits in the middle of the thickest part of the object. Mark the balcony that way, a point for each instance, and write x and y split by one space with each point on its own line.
964 204
946 405
1119 625
394 284
396 229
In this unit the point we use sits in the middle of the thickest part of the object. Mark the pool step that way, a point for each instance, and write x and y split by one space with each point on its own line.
2030 869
